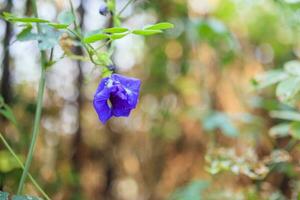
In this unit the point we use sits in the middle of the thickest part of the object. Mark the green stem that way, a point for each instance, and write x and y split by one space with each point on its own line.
114 14
85 46
38 112
22 166
35 132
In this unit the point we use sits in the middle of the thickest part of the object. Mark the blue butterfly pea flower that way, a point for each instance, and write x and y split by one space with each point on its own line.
116 96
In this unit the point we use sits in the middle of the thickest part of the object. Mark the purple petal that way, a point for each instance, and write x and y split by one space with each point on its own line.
120 112
101 106
102 85
129 83
132 98
103 110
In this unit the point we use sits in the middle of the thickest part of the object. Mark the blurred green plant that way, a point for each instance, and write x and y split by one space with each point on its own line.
192 191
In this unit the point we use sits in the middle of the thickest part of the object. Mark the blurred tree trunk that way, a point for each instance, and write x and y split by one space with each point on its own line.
77 142
78 146
6 90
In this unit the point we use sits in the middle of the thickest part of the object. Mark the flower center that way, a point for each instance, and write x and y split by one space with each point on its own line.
109 103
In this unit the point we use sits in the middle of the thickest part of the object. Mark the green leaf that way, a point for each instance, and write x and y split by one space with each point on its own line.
95 38
193 191
280 130
3 195
116 36
288 88
269 78
48 38
160 26
7 16
295 130
218 120
58 26
12 18
26 197
6 111
7 162
29 20
25 34
66 17
115 30
146 32
293 67
286 115
8 114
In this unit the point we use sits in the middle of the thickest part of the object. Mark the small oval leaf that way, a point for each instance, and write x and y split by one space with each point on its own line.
25 34
26 197
118 35
288 88
295 130
29 20
160 26
292 67
280 130
58 26
3 195
95 38
146 32
66 17
269 78
286 115
115 30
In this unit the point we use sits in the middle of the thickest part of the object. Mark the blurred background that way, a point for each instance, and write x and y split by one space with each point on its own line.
200 130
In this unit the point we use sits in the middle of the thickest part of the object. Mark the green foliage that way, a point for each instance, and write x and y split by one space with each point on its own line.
7 162
226 159
66 17
95 37
218 120
291 128
58 26
120 32
215 33
25 34
6 111
116 36
160 26
26 197
5 196
48 37
295 130
12 18
192 191
115 30
153 29
146 32
104 58
288 81
269 78
280 130
286 115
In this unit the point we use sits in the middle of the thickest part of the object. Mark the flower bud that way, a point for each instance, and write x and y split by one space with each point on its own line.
103 10
112 67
